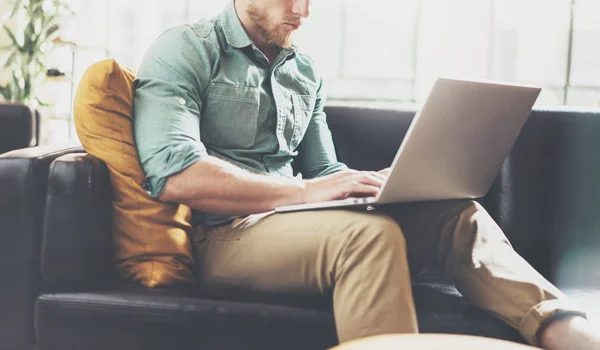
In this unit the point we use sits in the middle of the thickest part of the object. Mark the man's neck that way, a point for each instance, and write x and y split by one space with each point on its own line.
268 49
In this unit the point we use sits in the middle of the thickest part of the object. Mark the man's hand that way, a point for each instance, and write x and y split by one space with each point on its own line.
385 172
343 184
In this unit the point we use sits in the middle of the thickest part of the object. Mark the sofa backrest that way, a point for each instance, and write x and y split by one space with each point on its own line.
17 127
368 138
546 197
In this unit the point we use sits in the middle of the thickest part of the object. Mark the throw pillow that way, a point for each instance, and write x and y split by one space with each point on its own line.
151 238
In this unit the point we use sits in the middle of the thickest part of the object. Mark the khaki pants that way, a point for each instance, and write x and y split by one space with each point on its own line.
364 259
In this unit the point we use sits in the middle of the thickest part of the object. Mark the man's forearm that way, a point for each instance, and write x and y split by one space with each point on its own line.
219 187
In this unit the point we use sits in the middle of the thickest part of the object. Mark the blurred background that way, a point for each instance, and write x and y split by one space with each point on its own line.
380 51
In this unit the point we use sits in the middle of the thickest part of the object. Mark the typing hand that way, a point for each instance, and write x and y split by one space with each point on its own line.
343 184
385 172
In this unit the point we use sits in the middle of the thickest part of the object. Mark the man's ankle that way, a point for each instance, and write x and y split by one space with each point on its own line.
572 332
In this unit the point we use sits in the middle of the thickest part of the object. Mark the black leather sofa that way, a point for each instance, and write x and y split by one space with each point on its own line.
58 289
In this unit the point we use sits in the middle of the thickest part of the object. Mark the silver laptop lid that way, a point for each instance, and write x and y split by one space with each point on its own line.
457 143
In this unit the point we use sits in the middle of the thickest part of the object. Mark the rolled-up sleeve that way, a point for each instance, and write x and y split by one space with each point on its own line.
316 153
173 77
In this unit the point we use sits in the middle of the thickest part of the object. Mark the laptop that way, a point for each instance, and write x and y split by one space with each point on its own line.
454 147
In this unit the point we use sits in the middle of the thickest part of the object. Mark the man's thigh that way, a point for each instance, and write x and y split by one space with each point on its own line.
293 252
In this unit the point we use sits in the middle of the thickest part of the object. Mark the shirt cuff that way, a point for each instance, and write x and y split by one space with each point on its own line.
168 162
333 168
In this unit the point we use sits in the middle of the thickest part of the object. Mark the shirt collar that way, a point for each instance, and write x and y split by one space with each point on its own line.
234 31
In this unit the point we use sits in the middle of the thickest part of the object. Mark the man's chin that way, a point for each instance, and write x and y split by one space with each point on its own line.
285 42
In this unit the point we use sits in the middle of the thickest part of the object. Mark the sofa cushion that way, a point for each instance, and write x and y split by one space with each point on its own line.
134 321
147 320
151 238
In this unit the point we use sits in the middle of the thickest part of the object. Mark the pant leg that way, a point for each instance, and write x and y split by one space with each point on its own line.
469 246
360 258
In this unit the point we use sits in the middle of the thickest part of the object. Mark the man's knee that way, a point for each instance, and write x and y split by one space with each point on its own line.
472 206
377 248
378 233
472 211
454 207
450 210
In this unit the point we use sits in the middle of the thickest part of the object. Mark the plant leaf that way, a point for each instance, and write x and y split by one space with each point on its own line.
11 59
30 30
5 54
48 32
15 8
50 27
11 35
43 104
17 91
23 56
6 92
35 7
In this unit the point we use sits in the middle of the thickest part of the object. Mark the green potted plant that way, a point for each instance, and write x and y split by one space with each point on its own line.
37 26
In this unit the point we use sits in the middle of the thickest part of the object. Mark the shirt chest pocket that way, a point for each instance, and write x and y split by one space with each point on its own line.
303 106
230 117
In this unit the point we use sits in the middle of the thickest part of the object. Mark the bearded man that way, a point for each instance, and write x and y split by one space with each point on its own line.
223 108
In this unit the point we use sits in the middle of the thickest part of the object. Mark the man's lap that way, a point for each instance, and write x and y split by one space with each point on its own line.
281 246
278 243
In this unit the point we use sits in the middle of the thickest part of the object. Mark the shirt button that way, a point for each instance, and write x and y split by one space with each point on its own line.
182 101
147 187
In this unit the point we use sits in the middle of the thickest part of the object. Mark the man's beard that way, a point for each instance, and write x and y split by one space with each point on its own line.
271 33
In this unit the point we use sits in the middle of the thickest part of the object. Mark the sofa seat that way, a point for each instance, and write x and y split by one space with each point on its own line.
126 320
139 318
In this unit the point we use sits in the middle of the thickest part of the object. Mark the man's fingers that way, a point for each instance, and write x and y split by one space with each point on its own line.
353 183
386 172
379 175
363 190
382 174
370 179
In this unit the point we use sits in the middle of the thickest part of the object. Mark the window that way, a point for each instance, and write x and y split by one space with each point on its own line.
584 79
388 50
531 48
394 50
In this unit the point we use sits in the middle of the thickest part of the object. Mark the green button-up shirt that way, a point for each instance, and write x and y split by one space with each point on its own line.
207 89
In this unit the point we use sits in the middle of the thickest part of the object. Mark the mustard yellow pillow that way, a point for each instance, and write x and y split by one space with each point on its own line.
151 238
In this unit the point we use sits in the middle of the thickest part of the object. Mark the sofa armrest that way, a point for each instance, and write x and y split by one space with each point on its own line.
77 233
23 184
